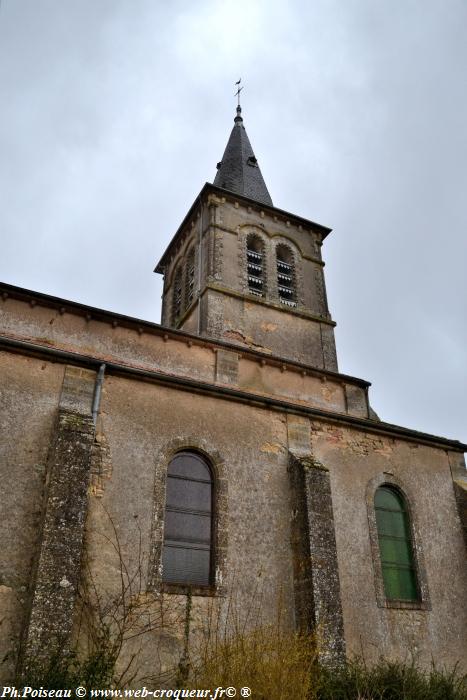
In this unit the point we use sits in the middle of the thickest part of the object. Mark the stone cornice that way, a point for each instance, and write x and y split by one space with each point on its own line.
114 319
187 384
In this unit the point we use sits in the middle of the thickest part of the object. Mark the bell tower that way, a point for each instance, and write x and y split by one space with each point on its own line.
240 269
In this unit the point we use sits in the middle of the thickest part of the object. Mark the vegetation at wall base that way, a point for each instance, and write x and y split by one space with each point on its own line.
277 665
230 644
273 672
67 671
388 680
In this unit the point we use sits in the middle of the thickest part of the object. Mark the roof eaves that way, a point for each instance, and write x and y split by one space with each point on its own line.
208 186
105 316
325 230
353 421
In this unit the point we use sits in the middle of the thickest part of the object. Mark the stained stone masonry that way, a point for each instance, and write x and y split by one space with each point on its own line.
58 566
316 576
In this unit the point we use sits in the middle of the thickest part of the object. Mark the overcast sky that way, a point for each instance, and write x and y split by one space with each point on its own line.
114 113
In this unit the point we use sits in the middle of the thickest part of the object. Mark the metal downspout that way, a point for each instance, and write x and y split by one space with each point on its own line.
97 393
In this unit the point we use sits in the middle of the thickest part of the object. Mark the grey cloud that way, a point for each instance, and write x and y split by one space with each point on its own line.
114 114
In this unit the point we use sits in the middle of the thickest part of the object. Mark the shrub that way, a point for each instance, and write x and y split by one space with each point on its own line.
66 671
388 680
273 664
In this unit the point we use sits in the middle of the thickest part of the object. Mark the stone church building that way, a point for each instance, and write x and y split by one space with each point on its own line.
224 450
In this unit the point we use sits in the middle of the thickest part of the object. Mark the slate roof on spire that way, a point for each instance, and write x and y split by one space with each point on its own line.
238 170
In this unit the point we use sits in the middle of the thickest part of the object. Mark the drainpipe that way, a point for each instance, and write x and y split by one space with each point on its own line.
97 393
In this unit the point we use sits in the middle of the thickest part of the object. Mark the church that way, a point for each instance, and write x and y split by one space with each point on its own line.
223 452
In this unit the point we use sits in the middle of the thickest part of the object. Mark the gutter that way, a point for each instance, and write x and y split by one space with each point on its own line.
140 325
185 384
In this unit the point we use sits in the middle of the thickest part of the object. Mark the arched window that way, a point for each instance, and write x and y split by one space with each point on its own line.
395 545
187 553
190 278
285 276
255 262
177 296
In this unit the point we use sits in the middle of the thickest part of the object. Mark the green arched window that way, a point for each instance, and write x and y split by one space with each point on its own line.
395 545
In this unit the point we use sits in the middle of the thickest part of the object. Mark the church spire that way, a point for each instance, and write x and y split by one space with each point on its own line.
238 170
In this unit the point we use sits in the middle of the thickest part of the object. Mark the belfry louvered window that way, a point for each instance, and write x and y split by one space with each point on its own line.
190 278
187 554
255 263
285 276
177 296
395 545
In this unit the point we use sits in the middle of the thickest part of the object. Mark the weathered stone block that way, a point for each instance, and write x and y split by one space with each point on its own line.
356 401
226 367
316 577
58 567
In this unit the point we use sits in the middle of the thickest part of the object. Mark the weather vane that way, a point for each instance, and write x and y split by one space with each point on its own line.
237 94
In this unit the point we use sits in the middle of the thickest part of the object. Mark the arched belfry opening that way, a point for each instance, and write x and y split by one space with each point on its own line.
256 261
286 286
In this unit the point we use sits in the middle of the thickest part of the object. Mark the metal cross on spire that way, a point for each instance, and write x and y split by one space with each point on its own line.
237 94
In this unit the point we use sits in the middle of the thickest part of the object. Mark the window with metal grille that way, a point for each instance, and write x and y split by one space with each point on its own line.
187 553
177 296
395 545
190 278
255 263
285 276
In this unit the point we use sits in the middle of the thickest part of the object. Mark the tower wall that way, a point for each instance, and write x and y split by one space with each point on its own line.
224 305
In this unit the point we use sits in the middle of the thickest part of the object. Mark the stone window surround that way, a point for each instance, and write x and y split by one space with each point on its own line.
423 603
181 262
220 518
178 279
293 257
270 245
190 259
251 236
